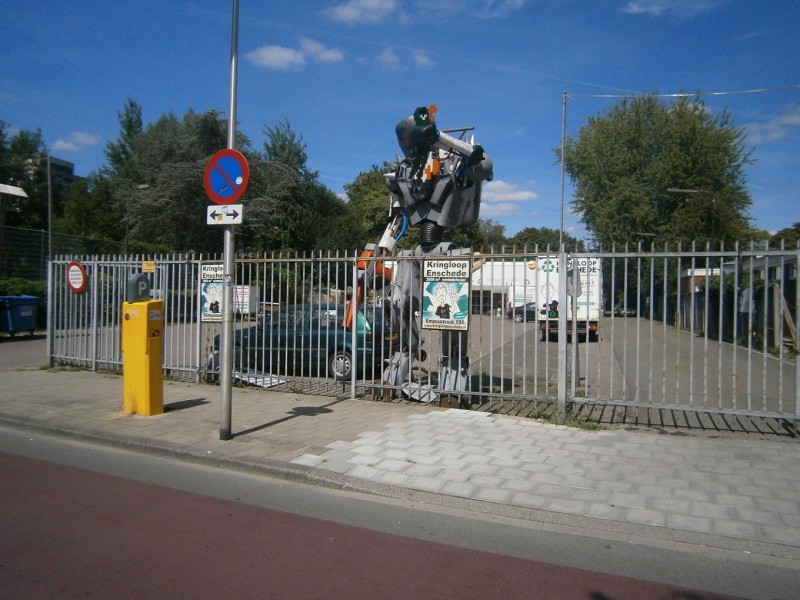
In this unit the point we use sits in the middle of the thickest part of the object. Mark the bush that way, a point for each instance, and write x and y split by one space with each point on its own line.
17 286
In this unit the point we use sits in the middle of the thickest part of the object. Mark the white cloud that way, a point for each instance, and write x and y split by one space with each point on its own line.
361 11
277 58
354 12
498 190
319 52
496 9
389 59
502 209
76 141
503 199
683 9
423 60
776 128
281 58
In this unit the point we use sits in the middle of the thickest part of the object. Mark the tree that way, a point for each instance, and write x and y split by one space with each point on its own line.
284 146
87 214
288 209
483 234
120 152
368 203
789 235
23 164
543 238
671 172
159 186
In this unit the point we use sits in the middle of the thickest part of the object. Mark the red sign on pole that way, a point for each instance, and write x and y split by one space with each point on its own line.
226 176
76 277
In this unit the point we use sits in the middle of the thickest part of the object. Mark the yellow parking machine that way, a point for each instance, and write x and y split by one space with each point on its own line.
142 349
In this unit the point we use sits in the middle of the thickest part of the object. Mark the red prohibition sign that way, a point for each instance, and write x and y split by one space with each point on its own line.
226 176
76 277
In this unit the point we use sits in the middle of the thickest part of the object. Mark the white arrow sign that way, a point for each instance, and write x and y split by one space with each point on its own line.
230 214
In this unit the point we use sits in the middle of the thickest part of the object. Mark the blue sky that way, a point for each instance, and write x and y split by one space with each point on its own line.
344 72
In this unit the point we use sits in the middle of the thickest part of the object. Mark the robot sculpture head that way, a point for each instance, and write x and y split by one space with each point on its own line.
417 134
438 182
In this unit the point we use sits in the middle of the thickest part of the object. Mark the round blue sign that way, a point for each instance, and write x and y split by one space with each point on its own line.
226 176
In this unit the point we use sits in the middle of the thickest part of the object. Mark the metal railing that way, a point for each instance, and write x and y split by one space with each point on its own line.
696 331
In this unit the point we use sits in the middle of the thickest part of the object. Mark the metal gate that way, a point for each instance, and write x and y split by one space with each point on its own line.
698 331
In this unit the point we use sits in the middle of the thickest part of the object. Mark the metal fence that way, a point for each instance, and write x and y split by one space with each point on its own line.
702 332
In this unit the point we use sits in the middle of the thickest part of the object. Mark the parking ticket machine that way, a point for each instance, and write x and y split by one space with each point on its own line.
142 343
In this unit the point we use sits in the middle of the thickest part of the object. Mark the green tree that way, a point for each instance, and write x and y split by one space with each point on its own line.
630 164
120 152
87 214
327 227
543 237
159 187
283 145
23 164
368 201
790 236
483 235
288 210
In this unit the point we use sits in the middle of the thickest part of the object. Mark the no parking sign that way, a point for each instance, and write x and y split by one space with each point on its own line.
226 176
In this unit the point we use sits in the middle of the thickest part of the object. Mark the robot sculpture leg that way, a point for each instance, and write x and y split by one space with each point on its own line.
454 373
404 303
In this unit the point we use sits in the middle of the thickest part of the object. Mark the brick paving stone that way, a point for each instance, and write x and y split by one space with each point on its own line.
743 488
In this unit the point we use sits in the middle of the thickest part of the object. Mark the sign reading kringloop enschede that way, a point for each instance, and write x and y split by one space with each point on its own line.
211 292
445 293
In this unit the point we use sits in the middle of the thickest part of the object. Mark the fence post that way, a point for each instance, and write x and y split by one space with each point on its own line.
50 299
562 333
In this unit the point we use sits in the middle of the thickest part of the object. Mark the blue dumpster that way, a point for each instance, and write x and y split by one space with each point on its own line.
18 313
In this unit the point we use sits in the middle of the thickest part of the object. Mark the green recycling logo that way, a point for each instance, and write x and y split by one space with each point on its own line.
548 266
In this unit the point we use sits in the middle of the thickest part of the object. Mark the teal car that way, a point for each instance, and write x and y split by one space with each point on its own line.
306 338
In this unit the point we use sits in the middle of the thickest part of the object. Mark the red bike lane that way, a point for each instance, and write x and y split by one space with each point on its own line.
69 533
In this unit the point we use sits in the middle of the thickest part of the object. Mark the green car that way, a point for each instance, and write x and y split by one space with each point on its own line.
306 338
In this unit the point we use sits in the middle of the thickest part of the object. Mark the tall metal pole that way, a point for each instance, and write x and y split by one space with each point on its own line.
562 282
563 153
49 212
229 249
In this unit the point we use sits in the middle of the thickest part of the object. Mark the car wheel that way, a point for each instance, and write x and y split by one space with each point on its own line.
340 364
518 318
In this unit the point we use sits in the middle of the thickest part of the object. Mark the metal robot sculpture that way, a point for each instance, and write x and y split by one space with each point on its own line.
436 187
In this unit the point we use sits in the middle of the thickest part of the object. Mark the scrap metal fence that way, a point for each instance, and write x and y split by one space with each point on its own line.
692 331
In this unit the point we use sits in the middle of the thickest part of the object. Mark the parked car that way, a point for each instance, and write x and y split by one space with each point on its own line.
525 313
620 310
310 338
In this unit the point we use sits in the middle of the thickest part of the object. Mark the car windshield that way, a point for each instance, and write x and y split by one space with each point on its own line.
286 318
321 317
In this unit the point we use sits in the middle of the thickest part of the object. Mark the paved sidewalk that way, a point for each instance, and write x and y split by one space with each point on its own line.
738 493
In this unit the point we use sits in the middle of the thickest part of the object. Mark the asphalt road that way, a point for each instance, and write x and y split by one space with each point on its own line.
81 520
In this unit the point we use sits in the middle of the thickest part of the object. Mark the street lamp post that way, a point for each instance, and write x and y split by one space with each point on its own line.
49 211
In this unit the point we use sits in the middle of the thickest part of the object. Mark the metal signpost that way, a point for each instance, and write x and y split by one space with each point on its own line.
225 180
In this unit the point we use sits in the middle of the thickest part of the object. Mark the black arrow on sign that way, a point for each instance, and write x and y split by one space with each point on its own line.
214 214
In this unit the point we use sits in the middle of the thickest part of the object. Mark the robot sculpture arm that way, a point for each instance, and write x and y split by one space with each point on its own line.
436 187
